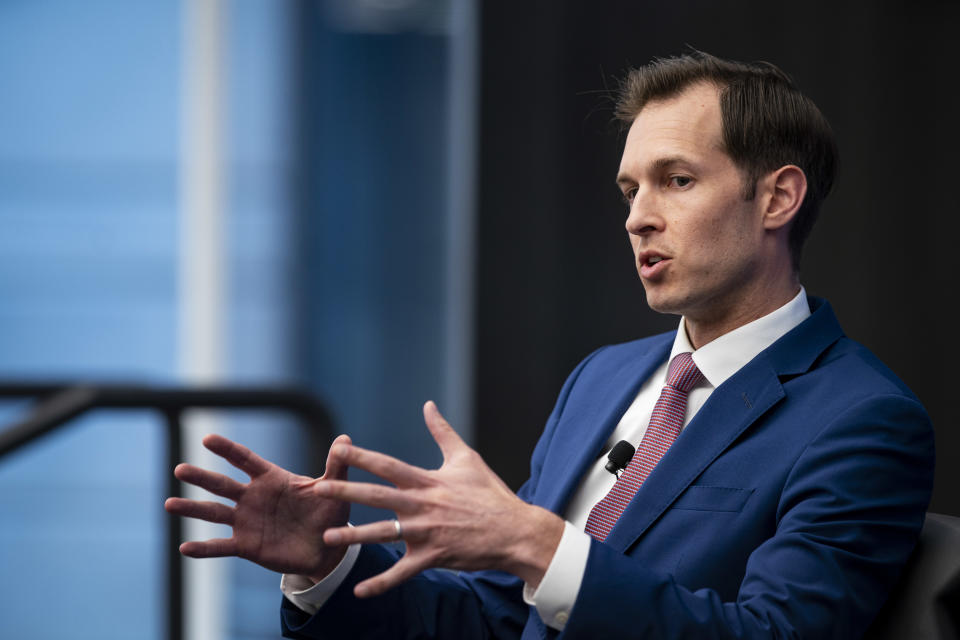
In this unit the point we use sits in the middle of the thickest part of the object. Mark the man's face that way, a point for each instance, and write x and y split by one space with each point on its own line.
696 241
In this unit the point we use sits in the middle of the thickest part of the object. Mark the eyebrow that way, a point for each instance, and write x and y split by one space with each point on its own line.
657 165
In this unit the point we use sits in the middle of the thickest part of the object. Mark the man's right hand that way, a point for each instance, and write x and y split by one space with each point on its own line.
279 518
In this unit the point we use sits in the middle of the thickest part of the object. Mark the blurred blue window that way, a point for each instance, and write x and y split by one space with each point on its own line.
88 197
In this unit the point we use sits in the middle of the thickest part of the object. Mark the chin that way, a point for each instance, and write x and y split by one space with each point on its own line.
663 304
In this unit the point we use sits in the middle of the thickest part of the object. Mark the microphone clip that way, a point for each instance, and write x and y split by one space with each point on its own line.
619 457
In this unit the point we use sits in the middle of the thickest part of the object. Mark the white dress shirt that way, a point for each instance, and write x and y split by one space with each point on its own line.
557 592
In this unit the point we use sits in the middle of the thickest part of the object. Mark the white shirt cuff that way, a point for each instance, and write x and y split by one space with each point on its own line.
560 585
309 597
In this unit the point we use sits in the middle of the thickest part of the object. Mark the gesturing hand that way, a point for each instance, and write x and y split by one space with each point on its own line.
278 518
460 516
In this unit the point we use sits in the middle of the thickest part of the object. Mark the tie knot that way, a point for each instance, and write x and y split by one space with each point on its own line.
683 373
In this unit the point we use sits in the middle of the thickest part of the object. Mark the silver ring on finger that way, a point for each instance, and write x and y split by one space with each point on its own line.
396 525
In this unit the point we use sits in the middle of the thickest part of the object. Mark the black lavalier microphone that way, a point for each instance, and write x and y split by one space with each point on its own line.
619 457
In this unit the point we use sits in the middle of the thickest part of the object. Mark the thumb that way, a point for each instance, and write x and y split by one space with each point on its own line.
335 469
443 434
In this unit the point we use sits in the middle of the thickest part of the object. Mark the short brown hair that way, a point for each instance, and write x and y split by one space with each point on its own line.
767 123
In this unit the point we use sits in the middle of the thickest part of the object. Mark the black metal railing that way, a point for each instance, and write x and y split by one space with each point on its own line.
56 404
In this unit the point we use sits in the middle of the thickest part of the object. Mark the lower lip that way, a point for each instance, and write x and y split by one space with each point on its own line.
648 271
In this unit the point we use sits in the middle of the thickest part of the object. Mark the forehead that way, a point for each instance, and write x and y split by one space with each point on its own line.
686 124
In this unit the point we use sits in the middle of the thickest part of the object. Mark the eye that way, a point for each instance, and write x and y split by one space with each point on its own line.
680 181
628 196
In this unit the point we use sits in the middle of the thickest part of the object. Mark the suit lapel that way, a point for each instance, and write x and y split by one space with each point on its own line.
731 409
620 388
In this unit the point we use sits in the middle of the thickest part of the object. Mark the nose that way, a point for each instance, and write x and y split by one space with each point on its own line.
643 217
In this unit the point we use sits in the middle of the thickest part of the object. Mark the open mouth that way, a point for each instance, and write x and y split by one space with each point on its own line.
652 264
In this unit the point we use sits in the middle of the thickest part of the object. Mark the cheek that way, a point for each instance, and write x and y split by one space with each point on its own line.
711 247
727 234
703 239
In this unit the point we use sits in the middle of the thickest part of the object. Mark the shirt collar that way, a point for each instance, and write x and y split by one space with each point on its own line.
723 357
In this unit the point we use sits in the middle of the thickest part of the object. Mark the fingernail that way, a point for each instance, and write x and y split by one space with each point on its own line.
332 537
361 591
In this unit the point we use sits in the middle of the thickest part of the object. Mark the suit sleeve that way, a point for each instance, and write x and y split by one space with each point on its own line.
436 603
848 517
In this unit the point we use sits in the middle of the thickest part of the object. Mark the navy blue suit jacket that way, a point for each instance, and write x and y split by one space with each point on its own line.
786 508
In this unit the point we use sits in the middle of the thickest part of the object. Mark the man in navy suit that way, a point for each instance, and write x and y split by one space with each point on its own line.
783 502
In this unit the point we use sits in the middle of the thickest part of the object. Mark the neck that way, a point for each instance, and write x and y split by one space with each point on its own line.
703 329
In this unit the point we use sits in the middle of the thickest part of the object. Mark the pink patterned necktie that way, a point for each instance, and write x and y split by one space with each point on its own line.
665 424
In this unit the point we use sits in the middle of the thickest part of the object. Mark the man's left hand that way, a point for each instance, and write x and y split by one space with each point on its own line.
460 516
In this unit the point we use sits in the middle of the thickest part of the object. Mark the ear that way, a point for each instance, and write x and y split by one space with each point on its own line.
786 188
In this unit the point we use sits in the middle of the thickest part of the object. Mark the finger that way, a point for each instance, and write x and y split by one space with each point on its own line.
215 548
216 483
209 511
237 455
387 467
444 435
373 495
383 531
336 469
404 569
